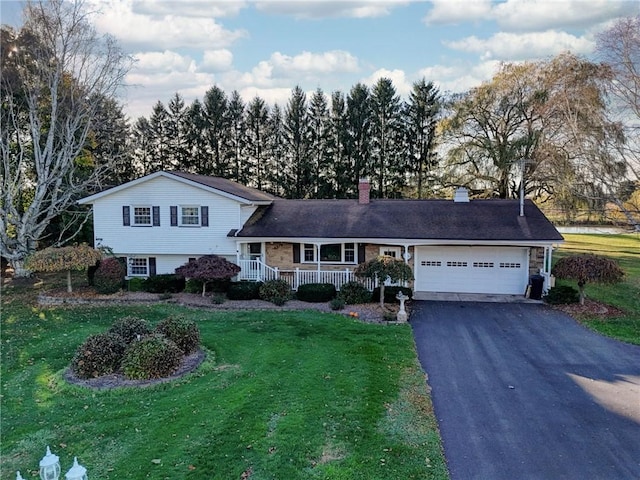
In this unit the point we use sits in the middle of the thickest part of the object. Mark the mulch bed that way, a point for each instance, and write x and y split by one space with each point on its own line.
189 364
590 309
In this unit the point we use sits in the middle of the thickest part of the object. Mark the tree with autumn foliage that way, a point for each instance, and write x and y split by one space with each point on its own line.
382 268
208 268
588 268
52 259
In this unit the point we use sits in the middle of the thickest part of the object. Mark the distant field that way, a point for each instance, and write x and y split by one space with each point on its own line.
625 249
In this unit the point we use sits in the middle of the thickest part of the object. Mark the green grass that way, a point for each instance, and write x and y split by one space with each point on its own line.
625 249
282 395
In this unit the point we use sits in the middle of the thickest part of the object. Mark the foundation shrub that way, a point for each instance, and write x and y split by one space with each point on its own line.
275 291
562 294
165 283
354 293
99 355
184 333
316 292
244 291
390 294
154 356
109 276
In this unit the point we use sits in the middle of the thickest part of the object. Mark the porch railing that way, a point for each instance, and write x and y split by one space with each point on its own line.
258 271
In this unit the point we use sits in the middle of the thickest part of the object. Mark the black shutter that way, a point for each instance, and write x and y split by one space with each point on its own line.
156 216
296 253
174 215
152 266
204 216
126 216
361 252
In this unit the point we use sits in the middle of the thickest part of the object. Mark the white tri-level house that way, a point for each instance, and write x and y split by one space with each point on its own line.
161 221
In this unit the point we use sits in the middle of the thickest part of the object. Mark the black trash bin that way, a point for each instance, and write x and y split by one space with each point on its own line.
537 283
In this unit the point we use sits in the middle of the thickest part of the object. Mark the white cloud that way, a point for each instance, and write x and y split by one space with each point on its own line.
536 15
216 60
330 9
308 62
166 61
457 11
510 46
171 30
271 96
461 77
189 8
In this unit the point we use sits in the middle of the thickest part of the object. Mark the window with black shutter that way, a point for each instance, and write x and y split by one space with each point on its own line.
204 216
126 216
296 253
156 216
152 266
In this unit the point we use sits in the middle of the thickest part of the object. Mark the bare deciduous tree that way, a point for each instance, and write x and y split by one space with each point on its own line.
56 72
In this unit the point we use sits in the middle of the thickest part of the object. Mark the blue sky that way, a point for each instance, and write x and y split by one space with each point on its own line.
267 47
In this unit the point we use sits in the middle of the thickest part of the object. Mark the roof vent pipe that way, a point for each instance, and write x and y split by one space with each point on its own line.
363 191
462 195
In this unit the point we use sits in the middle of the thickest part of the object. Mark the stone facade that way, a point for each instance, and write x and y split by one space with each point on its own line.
536 260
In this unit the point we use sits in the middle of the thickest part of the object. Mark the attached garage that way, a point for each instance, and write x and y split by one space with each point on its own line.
471 269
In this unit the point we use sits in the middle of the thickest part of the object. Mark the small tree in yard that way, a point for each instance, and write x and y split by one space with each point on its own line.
208 268
383 267
587 268
77 257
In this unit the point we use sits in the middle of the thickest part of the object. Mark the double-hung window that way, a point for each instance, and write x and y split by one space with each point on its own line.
142 216
189 216
138 267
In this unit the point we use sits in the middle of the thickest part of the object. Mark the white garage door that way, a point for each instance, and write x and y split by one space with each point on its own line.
472 269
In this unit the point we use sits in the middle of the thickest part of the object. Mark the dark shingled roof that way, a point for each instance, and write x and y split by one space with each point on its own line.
483 220
227 186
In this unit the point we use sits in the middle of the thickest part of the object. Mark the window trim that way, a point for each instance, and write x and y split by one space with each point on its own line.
130 266
181 216
310 248
133 219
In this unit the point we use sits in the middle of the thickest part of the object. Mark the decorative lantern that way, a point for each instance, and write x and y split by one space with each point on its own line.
77 472
50 466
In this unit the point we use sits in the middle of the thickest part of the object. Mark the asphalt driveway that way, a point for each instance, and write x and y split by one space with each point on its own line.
521 391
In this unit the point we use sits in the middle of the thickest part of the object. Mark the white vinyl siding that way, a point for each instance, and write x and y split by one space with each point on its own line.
497 270
224 215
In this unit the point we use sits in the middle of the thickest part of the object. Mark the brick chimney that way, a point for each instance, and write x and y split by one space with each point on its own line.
363 191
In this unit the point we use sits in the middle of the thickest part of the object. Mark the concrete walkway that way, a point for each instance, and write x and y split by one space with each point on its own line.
472 297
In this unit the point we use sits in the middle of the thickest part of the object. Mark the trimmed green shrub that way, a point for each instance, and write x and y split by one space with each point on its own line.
316 292
244 290
136 284
390 294
130 328
165 283
562 294
109 276
337 303
99 355
275 291
354 293
218 299
181 331
193 286
154 356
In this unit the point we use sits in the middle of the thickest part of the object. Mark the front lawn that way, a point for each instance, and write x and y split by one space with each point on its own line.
282 395
625 249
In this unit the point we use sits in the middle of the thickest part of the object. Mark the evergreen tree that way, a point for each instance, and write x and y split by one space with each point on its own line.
276 179
257 130
176 127
359 135
216 130
337 145
160 153
142 144
387 152
237 139
198 156
296 129
421 116
321 164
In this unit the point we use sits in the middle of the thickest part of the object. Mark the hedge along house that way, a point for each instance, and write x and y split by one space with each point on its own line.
163 220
